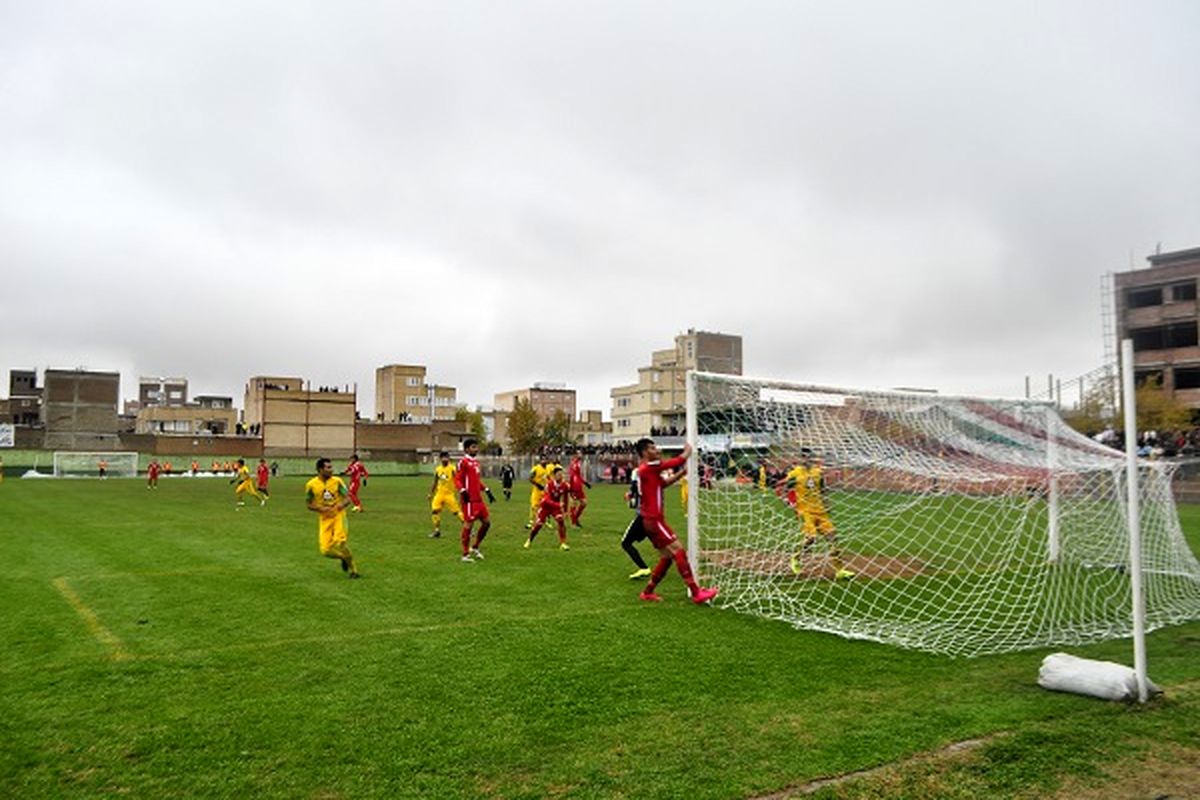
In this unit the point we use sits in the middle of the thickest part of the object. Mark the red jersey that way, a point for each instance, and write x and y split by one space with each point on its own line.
152 470
554 494
468 478
357 472
650 486
575 475
264 474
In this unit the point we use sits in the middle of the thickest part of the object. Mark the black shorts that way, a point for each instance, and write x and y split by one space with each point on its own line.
636 532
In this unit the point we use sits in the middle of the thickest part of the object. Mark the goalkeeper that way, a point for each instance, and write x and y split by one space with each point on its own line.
807 480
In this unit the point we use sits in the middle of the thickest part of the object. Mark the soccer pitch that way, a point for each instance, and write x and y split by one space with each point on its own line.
163 644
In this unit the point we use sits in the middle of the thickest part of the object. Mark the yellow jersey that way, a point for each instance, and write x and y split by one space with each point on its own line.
445 479
807 482
540 474
326 493
243 473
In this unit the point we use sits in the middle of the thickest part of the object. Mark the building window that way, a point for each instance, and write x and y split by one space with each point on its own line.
1181 292
1187 378
413 380
1140 298
1164 337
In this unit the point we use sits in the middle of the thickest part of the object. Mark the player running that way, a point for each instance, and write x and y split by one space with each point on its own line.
263 474
807 480
443 493
650 507
552 506
575 484
469 481
245 485
326 496
538 475
358 477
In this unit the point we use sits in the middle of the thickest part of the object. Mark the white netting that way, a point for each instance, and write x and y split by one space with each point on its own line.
87 465
971 526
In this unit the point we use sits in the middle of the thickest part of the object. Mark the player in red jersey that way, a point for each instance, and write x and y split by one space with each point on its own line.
551 505
575 484
650 507
152 475
263 474
469 481
357 472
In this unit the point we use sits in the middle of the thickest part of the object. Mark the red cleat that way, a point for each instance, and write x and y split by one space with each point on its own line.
650 597
704 595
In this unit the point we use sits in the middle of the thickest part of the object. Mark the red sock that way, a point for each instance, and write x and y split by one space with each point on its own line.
562 532
658 573
466 539
685 570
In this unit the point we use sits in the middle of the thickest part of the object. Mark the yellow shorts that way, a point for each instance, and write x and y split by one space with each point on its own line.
535 498
816 520
445 500
331 531
245 486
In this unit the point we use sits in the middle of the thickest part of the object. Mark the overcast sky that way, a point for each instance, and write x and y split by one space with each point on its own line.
871 194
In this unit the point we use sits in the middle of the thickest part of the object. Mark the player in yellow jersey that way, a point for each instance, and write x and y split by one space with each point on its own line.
538 477
245 485
807 479
443 493
327 497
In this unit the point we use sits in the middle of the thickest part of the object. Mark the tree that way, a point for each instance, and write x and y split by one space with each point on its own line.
474 420
524 428
1095 411
557 430
1159 411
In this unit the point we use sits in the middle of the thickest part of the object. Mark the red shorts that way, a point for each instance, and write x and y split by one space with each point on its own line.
659 532
577 493
475 510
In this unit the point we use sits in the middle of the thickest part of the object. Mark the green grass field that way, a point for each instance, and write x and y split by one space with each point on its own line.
162 644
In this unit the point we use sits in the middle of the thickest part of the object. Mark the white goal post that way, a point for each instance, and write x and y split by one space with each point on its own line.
68 464
955 525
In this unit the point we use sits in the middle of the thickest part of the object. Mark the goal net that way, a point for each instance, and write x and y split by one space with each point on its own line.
961 526
87 465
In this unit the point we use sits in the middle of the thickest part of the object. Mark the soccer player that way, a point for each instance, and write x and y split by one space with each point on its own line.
245 485
634 533
443 493
263 473
102 468
358 477
650 506
552 506
469 481
575 484
326 496
507 475
195 467
807 480
152 474
538 476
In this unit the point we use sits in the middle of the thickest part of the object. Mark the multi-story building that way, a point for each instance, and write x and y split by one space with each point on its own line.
403 395
24 399
162 392
657 402
207 416
296 421
79 409
1157 309
545 398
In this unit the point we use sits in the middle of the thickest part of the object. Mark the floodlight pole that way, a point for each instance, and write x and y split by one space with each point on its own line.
1135 524
693 472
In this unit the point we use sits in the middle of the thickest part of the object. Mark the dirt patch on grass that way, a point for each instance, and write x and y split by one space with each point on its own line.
817 566
1172 774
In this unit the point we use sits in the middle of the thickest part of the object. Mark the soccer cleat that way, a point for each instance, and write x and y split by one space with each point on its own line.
564 546
528 544
843 574
345 566
650 597
476 553
528 525
435 535
704 595
644 572
262 502
358 508
354 575
466 559
796 563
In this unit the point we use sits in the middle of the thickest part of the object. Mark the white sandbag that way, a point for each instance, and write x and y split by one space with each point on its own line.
1061 672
